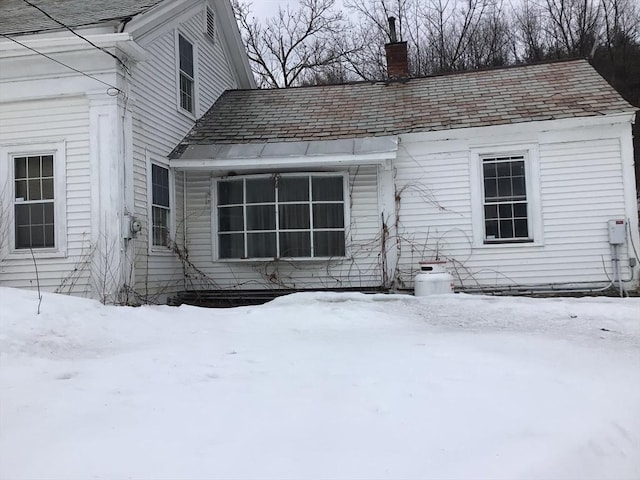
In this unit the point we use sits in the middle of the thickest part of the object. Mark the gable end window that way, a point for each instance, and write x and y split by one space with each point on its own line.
34 202
505 202
186 77
281 216
160 205
210 26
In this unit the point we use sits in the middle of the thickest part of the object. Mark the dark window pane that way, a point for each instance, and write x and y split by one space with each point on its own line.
504 188
186 55
230 192
489 170
505 210
490 211
37 213
47 189
47 166
261 190
491 227
23 237
49 240
522 229
504 169
23 215
328 244
230 219
295 216
261 217
260 245
48 213
231 245
327 188
295 244
328 215
517 168
33 167
292 189
519 188
34 190
21 189
520 210
37 236
506 229
159 176
490 188
21 167
160 185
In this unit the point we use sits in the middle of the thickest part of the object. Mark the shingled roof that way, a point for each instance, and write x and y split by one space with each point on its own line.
470 99
18 18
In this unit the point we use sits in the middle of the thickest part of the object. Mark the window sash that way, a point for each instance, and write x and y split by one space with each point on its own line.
186 75
34 201
284 222
505 203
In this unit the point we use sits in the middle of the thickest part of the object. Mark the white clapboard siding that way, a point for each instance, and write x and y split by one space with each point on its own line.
43 121
361 269
581 188
158 126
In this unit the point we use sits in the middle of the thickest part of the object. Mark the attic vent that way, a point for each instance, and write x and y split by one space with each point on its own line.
211 24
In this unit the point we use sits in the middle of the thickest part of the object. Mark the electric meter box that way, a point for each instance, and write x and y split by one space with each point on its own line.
617 232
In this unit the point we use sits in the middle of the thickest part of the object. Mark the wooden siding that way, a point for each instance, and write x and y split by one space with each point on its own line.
158 126
580 189
53 120
360 269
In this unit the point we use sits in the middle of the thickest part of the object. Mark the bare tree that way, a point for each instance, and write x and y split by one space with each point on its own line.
294 42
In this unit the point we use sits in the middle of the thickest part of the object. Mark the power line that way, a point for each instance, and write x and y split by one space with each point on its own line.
78 35
111 87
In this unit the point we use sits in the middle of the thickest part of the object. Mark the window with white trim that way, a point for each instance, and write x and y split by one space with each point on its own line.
160 205
505 202
34 201
281 216
186 74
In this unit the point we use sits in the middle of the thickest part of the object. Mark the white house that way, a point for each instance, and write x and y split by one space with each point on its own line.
520 178
93 97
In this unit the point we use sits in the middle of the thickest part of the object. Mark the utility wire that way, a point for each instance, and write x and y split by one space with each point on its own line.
111 87
78 35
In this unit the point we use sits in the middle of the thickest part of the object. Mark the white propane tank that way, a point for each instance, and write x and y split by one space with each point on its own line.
433 279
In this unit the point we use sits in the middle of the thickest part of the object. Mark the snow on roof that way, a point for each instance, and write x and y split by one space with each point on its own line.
518 94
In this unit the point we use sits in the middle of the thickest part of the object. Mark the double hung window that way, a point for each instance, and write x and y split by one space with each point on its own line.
186 77
160 205
34 201
505 201
281 216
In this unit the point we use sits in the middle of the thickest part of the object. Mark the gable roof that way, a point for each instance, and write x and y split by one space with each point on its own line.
370 109
17 17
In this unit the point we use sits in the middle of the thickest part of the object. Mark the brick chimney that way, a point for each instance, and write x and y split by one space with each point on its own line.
397 61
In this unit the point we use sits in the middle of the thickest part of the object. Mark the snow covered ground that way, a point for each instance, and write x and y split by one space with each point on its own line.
321 386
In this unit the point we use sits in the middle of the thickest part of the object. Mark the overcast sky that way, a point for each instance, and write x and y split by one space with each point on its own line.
266 8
